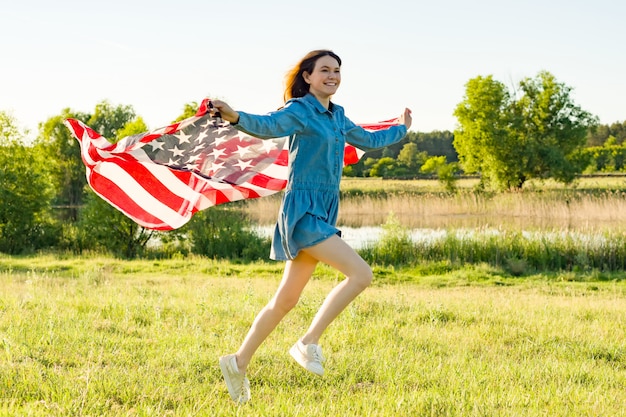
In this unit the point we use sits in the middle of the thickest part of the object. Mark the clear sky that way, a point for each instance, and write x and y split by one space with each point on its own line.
158 55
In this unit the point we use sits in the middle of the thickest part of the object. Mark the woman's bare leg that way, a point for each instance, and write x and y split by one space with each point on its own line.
295 277
338 254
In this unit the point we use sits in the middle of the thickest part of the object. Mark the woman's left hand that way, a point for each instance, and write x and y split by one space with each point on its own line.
406 119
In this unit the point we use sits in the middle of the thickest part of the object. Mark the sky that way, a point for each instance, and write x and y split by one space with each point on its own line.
156 56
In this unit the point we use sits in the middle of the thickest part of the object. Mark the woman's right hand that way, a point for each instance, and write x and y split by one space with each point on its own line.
225 111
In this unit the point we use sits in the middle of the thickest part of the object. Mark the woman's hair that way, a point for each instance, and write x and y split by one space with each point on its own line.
295 86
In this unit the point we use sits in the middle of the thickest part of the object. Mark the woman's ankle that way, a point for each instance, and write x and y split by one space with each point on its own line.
241 365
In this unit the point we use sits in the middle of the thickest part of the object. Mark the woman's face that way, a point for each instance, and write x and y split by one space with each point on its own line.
325 78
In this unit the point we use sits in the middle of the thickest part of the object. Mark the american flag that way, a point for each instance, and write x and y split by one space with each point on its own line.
162 177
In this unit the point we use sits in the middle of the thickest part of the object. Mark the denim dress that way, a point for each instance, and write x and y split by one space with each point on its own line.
317 136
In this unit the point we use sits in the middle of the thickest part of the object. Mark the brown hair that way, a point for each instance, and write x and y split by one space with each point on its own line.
295 86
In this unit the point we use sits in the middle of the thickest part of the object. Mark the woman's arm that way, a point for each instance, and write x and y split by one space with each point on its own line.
369 140
284 122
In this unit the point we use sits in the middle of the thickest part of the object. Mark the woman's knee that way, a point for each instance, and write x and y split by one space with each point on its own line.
284 302
363 276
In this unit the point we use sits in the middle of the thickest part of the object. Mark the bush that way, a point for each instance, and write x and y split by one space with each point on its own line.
223 232
394 246
25 196
107 229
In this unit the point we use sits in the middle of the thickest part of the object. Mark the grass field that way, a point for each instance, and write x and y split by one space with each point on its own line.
104 337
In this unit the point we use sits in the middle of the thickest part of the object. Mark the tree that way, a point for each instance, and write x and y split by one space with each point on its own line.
10 133
510 140
25 192
63 157
387 167
109 229
189 110
445 171
62 150
435 143
599 135
411 157
108 119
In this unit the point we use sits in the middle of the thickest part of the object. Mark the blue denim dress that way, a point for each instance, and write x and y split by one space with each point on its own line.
310 204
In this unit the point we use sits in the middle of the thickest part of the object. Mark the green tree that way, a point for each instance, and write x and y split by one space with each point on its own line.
63 157
411 157
388 167
108 119
189 110
62 150
10 133
106 228
482 139
599 135
445 171
133 127
510 140
25 192
435 143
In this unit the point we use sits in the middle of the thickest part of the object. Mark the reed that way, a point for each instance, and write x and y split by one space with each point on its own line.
515 253
550 209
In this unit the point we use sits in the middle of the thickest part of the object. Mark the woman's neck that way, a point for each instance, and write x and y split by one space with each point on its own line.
325 100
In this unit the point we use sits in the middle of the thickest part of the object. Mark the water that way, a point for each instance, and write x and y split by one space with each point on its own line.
360 237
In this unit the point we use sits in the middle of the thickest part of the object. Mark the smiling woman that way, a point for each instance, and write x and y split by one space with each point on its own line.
306 232
322 84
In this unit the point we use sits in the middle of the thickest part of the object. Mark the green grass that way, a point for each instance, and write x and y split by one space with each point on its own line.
98 336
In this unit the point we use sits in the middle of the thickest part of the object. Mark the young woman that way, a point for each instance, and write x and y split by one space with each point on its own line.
305 233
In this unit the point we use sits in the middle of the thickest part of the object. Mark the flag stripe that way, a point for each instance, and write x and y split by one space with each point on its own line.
107 189
150 210
154 183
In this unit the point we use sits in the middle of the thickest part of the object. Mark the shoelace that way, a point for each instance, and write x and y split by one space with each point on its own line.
317 354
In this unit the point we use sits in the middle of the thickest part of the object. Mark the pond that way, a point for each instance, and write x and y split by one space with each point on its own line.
431 216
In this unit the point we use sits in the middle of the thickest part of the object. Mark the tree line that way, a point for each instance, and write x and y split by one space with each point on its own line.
505 137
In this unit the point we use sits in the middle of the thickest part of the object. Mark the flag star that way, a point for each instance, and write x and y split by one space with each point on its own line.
268 146
216 153
221 130
193 158
198 148
202 136
218 141
156 145
190 167
172 162
215 166
182 137
242 150
176 151
243 164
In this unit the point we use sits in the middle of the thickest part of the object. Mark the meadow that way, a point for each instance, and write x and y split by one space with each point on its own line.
104 337
529 320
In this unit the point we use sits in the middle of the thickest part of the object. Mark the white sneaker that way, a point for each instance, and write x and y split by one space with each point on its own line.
309 356
237 383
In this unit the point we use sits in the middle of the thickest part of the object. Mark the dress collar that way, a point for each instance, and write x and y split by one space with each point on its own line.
319 106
